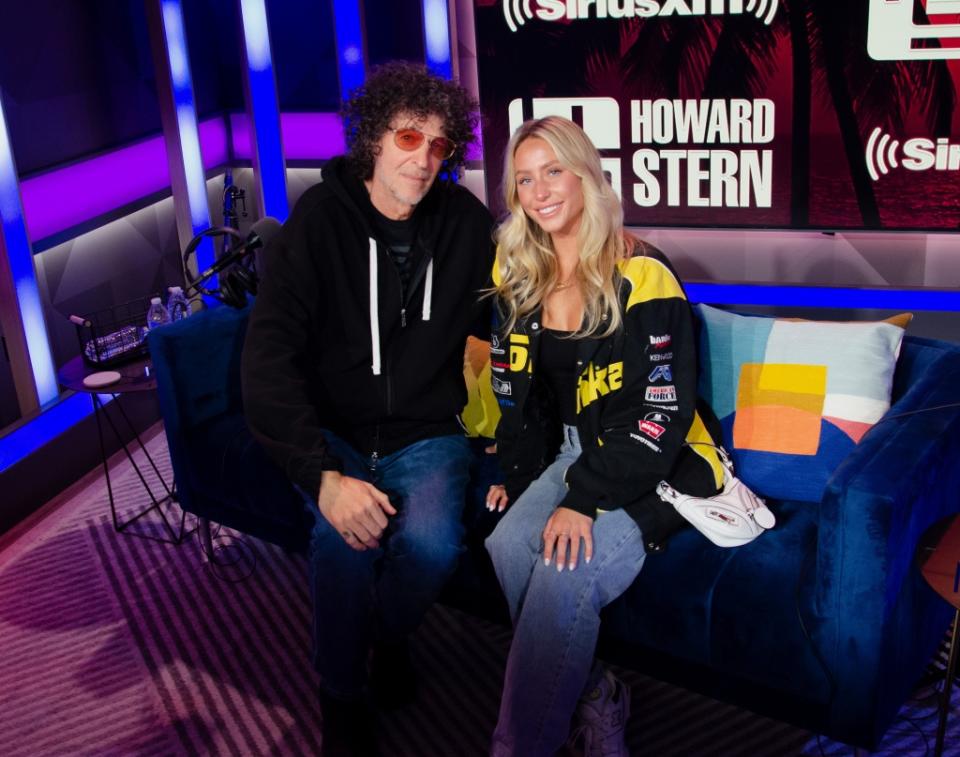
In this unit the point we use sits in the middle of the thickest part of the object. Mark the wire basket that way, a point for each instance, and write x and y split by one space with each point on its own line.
114 335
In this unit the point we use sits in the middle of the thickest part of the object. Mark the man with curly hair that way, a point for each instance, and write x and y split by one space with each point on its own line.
353 379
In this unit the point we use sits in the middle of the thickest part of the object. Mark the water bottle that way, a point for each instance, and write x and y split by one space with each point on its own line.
157 315
177 305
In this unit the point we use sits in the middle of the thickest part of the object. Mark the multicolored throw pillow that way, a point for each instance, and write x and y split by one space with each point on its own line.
794 397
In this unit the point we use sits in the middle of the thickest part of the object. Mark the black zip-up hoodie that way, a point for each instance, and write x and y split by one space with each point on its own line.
335 343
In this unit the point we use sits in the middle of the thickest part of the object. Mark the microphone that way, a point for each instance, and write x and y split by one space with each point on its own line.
261 234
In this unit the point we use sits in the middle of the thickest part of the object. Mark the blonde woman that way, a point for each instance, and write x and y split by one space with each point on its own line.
595 372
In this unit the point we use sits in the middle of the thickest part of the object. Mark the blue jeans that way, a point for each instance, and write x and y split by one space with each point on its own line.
383 593
556 616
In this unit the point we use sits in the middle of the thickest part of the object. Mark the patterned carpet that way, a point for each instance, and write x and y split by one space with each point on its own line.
114 644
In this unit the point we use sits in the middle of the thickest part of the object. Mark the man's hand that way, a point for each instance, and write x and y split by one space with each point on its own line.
357 510
497 498
562 535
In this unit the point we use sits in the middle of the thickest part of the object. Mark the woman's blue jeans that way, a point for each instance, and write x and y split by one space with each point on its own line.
556 615
383 593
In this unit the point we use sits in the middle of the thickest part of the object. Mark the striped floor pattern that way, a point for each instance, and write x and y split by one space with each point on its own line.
113 644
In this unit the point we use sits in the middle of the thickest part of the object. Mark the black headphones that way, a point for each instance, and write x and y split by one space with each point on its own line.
240 276
236 283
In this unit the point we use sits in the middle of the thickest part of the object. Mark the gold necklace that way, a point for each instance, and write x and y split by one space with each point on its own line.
561 285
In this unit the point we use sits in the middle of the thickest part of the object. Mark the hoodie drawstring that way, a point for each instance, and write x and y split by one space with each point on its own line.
428 292
374 309
375 305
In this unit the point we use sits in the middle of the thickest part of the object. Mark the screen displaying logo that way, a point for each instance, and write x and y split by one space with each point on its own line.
892 33
517 12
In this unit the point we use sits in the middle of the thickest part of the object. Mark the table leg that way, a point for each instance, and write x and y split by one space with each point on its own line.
176 535
947 685
97 409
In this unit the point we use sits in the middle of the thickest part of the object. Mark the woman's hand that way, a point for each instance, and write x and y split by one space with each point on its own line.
497 498
562 535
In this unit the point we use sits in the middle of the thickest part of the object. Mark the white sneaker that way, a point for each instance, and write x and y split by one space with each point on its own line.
602 718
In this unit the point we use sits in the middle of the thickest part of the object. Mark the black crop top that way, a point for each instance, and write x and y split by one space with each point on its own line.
558 368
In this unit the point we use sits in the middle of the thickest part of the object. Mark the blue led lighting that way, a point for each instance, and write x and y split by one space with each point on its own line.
182 83
436 34
255 33
349 36
33 434
176 46
20 260
264 109
825 297
193 168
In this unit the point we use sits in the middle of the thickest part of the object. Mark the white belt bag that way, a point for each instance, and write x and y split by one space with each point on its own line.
733 517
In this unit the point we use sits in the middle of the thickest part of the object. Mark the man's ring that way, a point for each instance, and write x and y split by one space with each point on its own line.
347 535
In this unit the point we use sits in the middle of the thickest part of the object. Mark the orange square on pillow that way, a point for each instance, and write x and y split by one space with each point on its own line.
779 407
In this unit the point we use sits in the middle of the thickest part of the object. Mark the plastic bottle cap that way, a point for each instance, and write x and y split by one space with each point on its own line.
154 300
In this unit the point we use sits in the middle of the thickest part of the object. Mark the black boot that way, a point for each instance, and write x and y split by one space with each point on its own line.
349 728
393 678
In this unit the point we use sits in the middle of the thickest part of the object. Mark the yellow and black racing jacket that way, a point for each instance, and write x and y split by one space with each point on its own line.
637 412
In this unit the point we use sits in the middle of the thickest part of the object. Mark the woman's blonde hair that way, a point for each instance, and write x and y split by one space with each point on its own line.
527 262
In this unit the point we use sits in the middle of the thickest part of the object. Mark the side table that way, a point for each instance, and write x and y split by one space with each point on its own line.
135 376
938 555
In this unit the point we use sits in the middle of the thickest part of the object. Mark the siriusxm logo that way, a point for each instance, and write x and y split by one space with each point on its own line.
892 33
518 12
884 153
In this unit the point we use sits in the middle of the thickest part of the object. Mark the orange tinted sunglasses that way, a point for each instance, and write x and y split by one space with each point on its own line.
410 139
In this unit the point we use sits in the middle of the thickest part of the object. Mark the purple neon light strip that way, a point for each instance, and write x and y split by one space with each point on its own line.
306 136
312 136
68 196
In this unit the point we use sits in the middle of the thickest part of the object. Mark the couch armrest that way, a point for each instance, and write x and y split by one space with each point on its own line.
868 600
196 362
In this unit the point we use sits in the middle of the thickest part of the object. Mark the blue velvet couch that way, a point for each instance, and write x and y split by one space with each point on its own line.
824 621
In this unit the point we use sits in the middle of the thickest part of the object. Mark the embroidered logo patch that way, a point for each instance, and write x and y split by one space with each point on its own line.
643 440
502 387
651 429
661 372
661 393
